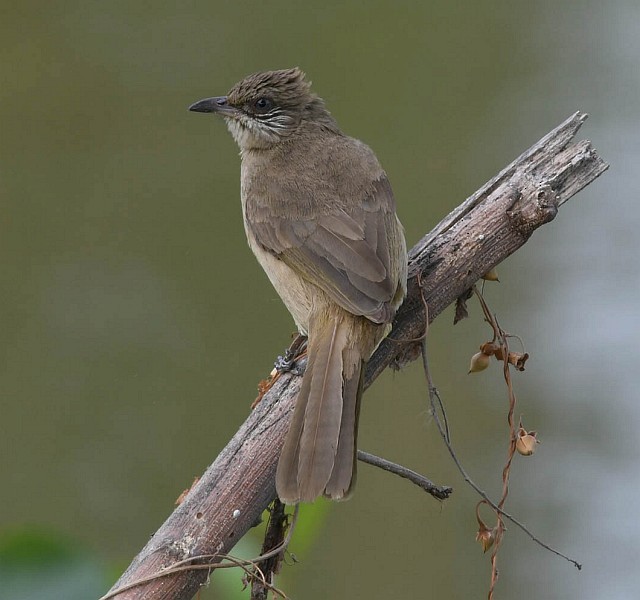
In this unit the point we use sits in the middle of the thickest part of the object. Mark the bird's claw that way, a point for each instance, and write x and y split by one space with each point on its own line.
290 363
284 364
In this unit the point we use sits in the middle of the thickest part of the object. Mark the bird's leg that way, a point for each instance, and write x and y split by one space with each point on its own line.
285 364
297 350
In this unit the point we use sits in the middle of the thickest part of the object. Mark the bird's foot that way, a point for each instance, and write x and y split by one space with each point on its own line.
289 363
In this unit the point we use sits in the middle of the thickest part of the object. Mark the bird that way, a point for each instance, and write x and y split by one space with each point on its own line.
320 217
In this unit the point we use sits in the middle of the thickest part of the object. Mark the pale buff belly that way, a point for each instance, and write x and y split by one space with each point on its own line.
294 291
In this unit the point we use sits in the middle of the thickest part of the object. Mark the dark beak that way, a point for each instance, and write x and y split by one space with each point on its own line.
218 104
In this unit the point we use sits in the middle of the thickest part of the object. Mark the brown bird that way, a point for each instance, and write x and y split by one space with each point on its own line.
320 217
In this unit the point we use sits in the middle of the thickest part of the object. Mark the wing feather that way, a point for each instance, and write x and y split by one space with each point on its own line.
345 252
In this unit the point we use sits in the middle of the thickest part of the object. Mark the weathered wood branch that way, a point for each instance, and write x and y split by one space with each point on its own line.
484 230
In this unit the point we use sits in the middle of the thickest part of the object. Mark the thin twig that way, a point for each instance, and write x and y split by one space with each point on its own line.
439 492
500 336
273 537
433 395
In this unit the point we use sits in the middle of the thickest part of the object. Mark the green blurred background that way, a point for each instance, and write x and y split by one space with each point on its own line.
136 323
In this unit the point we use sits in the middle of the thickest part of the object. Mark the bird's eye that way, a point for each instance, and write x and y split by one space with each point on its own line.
262 104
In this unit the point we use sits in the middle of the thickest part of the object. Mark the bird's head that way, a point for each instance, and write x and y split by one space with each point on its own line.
266 108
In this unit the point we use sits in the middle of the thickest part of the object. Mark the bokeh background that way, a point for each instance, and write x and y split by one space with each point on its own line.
135 323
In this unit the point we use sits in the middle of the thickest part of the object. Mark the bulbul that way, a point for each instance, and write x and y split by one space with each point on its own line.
320 217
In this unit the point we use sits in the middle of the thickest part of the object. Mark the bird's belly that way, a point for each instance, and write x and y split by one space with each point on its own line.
294 291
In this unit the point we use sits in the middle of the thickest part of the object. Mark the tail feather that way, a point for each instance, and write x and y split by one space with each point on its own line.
319 440
319 451
343 476
287 472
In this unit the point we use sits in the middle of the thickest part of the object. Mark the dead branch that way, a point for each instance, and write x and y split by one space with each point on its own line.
484 230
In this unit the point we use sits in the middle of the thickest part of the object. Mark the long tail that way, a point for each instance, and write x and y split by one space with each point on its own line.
343 476
318 455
